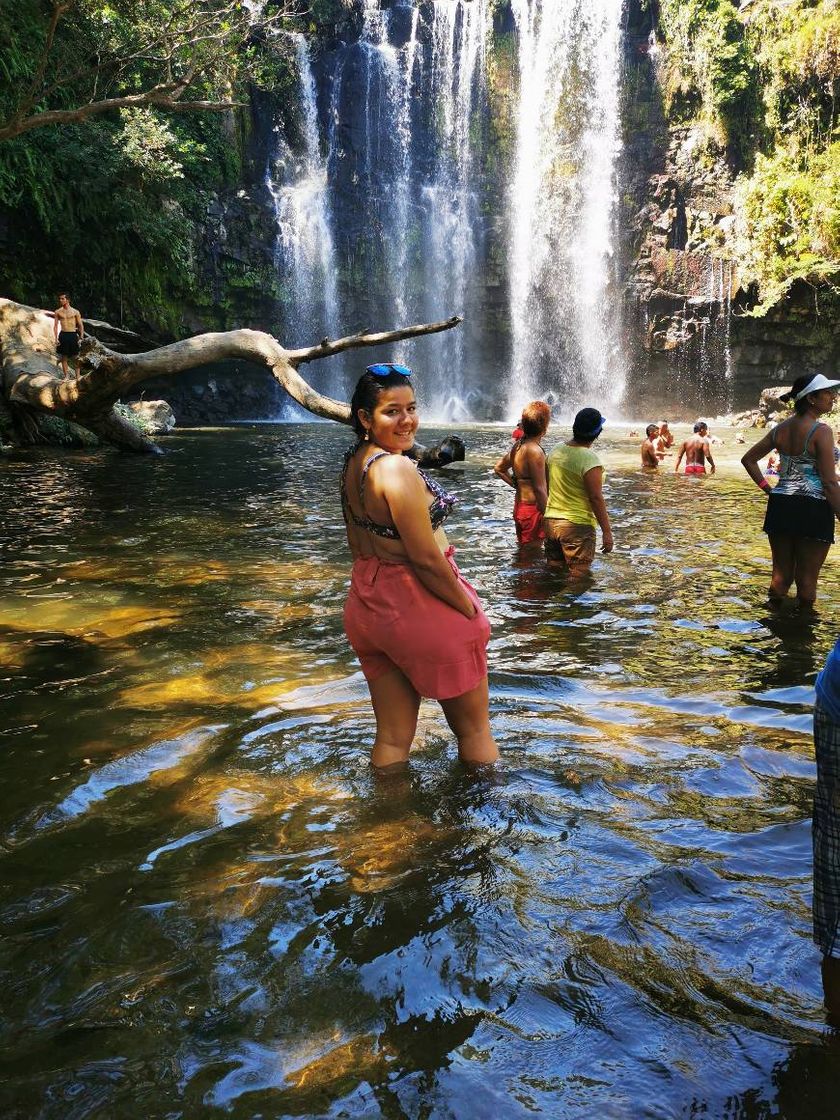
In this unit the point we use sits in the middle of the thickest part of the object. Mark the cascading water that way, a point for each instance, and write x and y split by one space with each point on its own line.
562 199
414 215
304 252
423 87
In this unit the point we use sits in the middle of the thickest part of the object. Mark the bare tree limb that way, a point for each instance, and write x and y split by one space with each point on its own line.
31 378
355 341
199 39
155 97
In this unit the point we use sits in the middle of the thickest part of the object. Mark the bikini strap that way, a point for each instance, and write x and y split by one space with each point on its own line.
518 445
808 437
365 469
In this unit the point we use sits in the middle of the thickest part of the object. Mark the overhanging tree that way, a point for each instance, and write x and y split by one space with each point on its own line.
67 61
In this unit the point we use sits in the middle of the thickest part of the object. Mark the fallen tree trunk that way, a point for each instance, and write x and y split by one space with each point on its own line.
32 385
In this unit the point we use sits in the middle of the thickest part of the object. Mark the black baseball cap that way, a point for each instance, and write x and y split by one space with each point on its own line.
588 423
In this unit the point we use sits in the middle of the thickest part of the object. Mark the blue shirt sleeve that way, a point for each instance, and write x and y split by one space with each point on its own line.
828 685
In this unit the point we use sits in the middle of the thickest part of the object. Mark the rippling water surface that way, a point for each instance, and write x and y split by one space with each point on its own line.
208 904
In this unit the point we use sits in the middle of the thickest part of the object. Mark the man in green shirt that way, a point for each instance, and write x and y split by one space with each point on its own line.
575 506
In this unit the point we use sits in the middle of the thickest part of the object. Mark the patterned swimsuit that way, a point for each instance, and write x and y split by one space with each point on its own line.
439 510
798 474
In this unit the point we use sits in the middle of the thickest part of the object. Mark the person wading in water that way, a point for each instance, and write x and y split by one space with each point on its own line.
523 468
801 509
697 449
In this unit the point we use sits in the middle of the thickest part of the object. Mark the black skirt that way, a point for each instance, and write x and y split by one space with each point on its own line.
797 515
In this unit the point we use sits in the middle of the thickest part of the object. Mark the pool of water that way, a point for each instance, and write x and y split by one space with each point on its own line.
210 906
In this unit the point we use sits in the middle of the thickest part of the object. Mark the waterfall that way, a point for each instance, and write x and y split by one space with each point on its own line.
562 200
304 252
411 214
421 96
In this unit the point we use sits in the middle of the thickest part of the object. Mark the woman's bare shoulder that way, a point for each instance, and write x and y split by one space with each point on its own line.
397 470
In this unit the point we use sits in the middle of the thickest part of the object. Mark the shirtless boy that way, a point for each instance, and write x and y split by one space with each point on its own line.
650 448
697 449
666 437
71 333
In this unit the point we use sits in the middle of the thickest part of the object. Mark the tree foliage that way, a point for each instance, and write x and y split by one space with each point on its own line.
112 203
765 81
70 60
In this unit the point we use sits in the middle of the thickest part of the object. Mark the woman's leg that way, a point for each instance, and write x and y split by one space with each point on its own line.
469 717
809 558
783 552
395 705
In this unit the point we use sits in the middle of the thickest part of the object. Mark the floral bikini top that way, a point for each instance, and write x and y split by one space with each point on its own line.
439 510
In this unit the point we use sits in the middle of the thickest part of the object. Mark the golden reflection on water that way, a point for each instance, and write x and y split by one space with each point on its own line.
194 845
361 1058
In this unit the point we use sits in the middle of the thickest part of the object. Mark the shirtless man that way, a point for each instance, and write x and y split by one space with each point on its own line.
71 333
697 449
650 448
666 437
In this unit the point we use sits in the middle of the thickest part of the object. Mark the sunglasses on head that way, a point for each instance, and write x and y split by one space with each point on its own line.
383 369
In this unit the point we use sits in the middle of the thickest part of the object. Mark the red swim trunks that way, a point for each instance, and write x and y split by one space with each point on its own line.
393 622
695 468
528 521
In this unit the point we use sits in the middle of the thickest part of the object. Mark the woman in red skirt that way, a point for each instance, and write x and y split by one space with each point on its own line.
414 622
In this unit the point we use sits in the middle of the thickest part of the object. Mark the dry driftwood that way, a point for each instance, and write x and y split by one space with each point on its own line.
32 384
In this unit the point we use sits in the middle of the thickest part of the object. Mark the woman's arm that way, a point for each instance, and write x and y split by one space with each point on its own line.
593 483
750 461
408 501
535 471
502 469
826 467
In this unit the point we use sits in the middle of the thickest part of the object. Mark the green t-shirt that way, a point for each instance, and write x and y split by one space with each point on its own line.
567 498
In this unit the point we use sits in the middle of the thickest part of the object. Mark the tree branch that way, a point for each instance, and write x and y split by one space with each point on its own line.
59 8
30 373
168 101
355 341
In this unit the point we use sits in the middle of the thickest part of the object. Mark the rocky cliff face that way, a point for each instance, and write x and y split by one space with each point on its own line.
688 321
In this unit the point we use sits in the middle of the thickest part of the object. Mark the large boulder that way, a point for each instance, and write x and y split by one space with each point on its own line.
156 418
770 401
450 450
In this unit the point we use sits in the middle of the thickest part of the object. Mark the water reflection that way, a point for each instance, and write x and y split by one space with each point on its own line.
210 904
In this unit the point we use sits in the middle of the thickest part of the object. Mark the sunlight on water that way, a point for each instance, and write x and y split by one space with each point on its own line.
211 906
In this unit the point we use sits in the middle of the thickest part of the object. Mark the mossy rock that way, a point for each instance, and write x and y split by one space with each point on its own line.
64 433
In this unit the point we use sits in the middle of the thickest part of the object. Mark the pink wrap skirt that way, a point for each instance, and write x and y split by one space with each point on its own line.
393 622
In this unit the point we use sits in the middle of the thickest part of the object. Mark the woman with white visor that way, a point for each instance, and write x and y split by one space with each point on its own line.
801 508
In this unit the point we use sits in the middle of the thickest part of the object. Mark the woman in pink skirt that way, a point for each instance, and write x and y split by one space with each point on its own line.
414 622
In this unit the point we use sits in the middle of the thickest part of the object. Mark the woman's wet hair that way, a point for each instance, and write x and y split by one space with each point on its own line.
535 418
367 393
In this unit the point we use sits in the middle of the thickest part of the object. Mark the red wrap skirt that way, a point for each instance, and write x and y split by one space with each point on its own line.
393 622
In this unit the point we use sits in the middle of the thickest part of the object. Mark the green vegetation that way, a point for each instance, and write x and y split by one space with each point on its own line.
764 81
708 72
791 214
114 205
